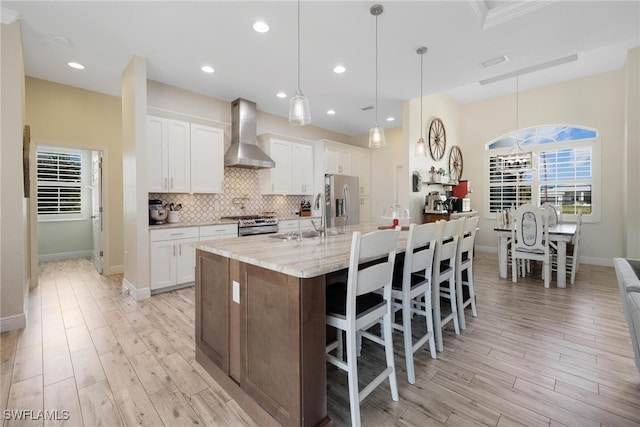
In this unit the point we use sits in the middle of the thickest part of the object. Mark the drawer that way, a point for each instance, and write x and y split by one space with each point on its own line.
227 230
173 233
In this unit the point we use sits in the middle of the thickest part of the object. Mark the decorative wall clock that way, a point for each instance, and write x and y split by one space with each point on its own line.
455 163
437 139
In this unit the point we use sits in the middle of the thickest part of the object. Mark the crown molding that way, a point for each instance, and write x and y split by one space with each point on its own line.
8 16
506 11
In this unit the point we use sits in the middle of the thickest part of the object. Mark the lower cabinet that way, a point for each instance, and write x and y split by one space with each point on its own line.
291 225
172 257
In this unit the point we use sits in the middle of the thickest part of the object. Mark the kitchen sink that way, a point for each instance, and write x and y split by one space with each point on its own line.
305 235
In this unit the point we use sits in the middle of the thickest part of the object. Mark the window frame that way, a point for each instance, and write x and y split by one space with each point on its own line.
593 143
83 185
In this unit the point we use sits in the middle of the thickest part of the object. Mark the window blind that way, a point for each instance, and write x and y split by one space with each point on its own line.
59 176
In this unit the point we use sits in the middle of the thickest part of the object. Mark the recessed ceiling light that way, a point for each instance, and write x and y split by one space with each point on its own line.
260 27
390 119
331 112
339 69
281 95
75 65
207 69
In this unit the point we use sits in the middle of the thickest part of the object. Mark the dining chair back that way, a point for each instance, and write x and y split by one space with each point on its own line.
357 305
464 263
552 213
414 285
572 260
530 240
444 271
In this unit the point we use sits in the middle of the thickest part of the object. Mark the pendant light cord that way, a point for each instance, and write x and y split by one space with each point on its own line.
376 70
298 45
421 93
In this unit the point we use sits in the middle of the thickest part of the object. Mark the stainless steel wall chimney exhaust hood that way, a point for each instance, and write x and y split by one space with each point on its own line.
243 152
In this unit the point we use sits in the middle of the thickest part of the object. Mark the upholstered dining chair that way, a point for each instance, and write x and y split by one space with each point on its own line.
355 306
530 240
414 284
464 263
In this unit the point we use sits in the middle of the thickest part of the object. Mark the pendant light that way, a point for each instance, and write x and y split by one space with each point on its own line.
299 114
517 160
376 133
421 145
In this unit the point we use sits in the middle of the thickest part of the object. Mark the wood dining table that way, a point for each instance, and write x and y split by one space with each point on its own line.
560 234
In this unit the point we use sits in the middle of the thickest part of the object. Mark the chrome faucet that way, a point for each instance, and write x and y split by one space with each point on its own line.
319 205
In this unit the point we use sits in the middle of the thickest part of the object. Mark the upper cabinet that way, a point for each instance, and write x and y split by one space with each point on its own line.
184 157
293 173
207 159
346 159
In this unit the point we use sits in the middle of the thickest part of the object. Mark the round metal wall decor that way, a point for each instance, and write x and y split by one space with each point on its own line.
455 163
437 139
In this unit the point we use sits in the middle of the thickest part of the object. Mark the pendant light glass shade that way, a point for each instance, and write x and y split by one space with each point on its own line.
421 145
299 113
376 133
421 148
376 137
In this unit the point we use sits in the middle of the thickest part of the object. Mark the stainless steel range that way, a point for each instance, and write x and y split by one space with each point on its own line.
250 225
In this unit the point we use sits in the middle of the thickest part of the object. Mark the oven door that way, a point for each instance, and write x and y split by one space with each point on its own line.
258 229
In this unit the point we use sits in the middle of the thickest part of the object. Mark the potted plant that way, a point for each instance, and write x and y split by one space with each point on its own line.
442 176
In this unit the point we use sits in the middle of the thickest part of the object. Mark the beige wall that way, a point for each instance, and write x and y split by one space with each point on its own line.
596 102
439 105
14 235
172 102
71 117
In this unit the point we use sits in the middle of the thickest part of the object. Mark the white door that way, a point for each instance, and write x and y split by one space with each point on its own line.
185 261
207 159
179 157
97 209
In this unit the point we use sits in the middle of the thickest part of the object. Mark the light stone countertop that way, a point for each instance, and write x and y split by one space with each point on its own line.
306 258
216 222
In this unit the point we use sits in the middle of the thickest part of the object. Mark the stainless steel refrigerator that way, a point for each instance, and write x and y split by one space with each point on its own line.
342 202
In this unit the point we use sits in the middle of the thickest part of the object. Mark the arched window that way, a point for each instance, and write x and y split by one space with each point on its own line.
561 167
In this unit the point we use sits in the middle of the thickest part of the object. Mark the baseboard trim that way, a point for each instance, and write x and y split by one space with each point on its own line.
114 269
64 255
11 323
605 262
133 292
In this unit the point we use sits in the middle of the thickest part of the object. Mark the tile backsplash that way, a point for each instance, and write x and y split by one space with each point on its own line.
241 197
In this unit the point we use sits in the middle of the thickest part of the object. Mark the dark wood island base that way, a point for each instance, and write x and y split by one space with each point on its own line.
265 347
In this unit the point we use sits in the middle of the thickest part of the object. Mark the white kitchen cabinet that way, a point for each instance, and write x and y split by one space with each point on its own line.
172 257
365 210
219 231
291 225
360 167
302 162
293 173
207 159
168 149
337 159
184 157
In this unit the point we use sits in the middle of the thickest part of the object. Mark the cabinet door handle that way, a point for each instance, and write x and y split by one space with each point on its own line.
273 186
174 250
165 184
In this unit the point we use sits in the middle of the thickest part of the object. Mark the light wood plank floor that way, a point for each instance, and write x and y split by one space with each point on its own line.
533 356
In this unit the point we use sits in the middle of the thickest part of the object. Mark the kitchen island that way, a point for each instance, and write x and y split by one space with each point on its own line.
260 321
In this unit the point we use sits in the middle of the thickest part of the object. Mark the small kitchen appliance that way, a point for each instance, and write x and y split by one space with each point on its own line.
435 203
462 191
157 212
